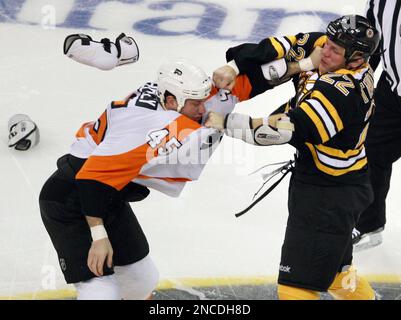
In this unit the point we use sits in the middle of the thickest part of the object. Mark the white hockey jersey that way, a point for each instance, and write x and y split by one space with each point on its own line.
137 140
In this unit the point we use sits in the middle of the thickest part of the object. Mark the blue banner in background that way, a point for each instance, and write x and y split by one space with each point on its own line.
9 10
209 24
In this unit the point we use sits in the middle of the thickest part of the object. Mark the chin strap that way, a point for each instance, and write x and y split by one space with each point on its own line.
179 108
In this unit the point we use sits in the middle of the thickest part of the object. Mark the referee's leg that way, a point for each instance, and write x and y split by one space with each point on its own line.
383 147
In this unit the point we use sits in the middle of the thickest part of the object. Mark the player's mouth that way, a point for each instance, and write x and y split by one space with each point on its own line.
323 62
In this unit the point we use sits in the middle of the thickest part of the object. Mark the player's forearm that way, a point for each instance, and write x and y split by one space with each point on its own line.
293 68
256 122
305 64
276 129
271 120
94 221
94 196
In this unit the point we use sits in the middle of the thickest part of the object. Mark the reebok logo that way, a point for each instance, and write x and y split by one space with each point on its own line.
267 136
286 269
63 265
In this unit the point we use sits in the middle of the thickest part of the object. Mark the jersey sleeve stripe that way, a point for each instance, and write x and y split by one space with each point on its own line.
280 49
99 133
320 41
214 91
292 40
311 113
81 131
243 88
283 41
330 108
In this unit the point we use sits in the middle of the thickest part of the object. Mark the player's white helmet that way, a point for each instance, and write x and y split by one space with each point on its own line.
23 132
184 80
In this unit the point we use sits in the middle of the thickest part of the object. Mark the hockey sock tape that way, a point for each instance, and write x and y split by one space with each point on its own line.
98 232
306 64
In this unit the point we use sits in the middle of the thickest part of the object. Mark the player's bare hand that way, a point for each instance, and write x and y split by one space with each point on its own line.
98 253
307 64
224 77
215 120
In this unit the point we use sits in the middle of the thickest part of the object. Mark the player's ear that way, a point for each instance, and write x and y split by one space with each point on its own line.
171 103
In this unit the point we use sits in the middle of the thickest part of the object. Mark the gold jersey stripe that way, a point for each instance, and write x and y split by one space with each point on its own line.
362 138
335 172
338 153
320 41
293 39
287 107
278 47
330 108
316 120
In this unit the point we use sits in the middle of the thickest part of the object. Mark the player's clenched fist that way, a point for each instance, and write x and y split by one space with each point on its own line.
224 77
215 120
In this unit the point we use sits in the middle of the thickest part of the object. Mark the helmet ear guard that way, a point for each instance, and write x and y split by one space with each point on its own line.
184 80
356 34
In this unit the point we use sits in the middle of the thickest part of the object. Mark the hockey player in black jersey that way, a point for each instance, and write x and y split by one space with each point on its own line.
327 122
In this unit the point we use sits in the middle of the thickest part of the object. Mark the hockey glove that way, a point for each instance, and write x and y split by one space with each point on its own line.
104 55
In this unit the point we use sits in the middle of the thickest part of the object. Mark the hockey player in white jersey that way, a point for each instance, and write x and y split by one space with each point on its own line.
140 142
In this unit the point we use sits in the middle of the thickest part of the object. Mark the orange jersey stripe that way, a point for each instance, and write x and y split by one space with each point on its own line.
118 170
242 88
183 126
213 92
99 129
81 132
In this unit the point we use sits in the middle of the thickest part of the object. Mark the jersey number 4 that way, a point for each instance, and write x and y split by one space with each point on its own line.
155 138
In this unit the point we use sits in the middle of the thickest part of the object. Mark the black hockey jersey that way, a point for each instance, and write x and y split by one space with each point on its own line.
331 117
250 56
330 112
